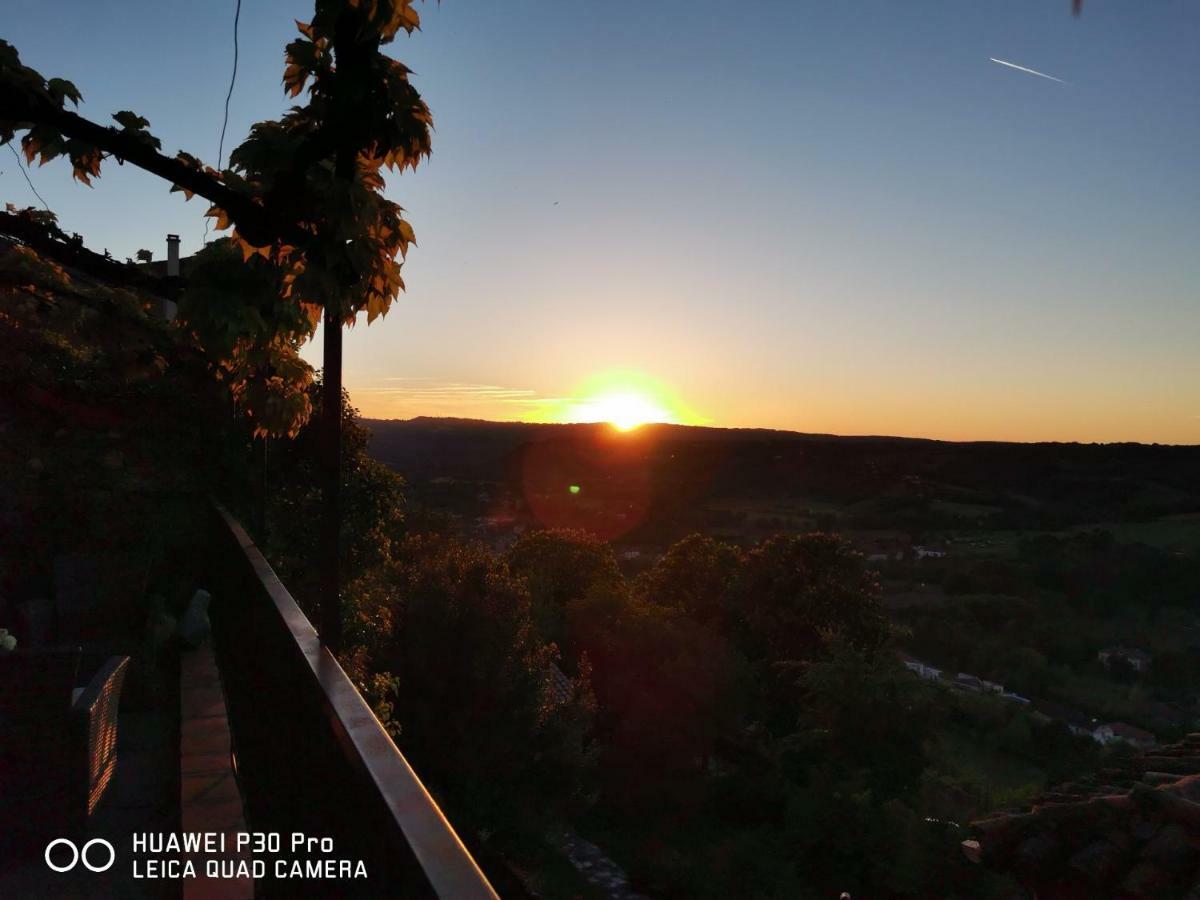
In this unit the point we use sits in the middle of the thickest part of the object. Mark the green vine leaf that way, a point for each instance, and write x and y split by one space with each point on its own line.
61 89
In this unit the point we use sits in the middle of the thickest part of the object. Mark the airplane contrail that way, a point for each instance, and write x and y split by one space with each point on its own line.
1023 69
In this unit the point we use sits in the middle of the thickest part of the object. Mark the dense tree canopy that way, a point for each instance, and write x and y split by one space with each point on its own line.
561 566
695 576
797 592
474 700
373 523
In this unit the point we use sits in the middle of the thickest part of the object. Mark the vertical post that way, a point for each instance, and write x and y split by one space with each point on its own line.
173 256
351 58
260 468
330 627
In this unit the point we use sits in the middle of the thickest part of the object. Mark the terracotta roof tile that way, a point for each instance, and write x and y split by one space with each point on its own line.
1126 831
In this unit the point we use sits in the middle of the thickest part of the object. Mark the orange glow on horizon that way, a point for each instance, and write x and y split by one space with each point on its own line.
626 400
1022 407
624 410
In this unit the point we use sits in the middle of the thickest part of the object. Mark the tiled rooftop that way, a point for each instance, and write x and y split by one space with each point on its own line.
1128 831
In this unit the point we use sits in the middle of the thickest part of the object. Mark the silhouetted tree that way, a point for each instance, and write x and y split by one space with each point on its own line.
373 520
560 567
796 592
864 711
667 689
474 703
696 577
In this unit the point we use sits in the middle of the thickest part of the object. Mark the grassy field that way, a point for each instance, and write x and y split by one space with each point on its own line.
989 544
768 506
959 753
986 777
963 510
1180 532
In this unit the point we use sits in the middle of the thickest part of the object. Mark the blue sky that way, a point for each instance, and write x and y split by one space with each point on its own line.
822 216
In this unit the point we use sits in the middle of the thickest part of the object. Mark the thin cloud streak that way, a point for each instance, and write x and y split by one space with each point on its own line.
453 393
405 396
1002 62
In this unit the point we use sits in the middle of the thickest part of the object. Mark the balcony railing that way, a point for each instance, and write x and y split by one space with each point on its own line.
311 757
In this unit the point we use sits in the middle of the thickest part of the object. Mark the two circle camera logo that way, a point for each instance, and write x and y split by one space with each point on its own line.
84 855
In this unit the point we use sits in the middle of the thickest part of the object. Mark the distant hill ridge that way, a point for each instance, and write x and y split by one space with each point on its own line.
710 431
655 427
1063 483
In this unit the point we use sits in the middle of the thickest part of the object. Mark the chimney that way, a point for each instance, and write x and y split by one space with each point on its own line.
172 256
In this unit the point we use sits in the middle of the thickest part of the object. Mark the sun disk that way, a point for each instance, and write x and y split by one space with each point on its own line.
624 410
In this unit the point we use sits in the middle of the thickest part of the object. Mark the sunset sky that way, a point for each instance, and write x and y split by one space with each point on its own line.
834 217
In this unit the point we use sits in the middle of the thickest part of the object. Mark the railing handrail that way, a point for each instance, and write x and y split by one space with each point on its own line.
445 861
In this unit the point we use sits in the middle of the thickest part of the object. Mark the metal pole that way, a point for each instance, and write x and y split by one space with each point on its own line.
331 432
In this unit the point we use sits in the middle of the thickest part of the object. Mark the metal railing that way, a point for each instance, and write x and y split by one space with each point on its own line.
311 756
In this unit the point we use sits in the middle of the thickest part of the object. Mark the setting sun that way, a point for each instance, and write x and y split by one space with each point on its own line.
626 400
624 410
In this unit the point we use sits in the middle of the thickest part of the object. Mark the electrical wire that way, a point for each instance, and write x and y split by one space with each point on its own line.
28 180
237 14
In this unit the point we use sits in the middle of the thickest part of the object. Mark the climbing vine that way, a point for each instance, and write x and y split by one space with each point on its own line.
302 196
